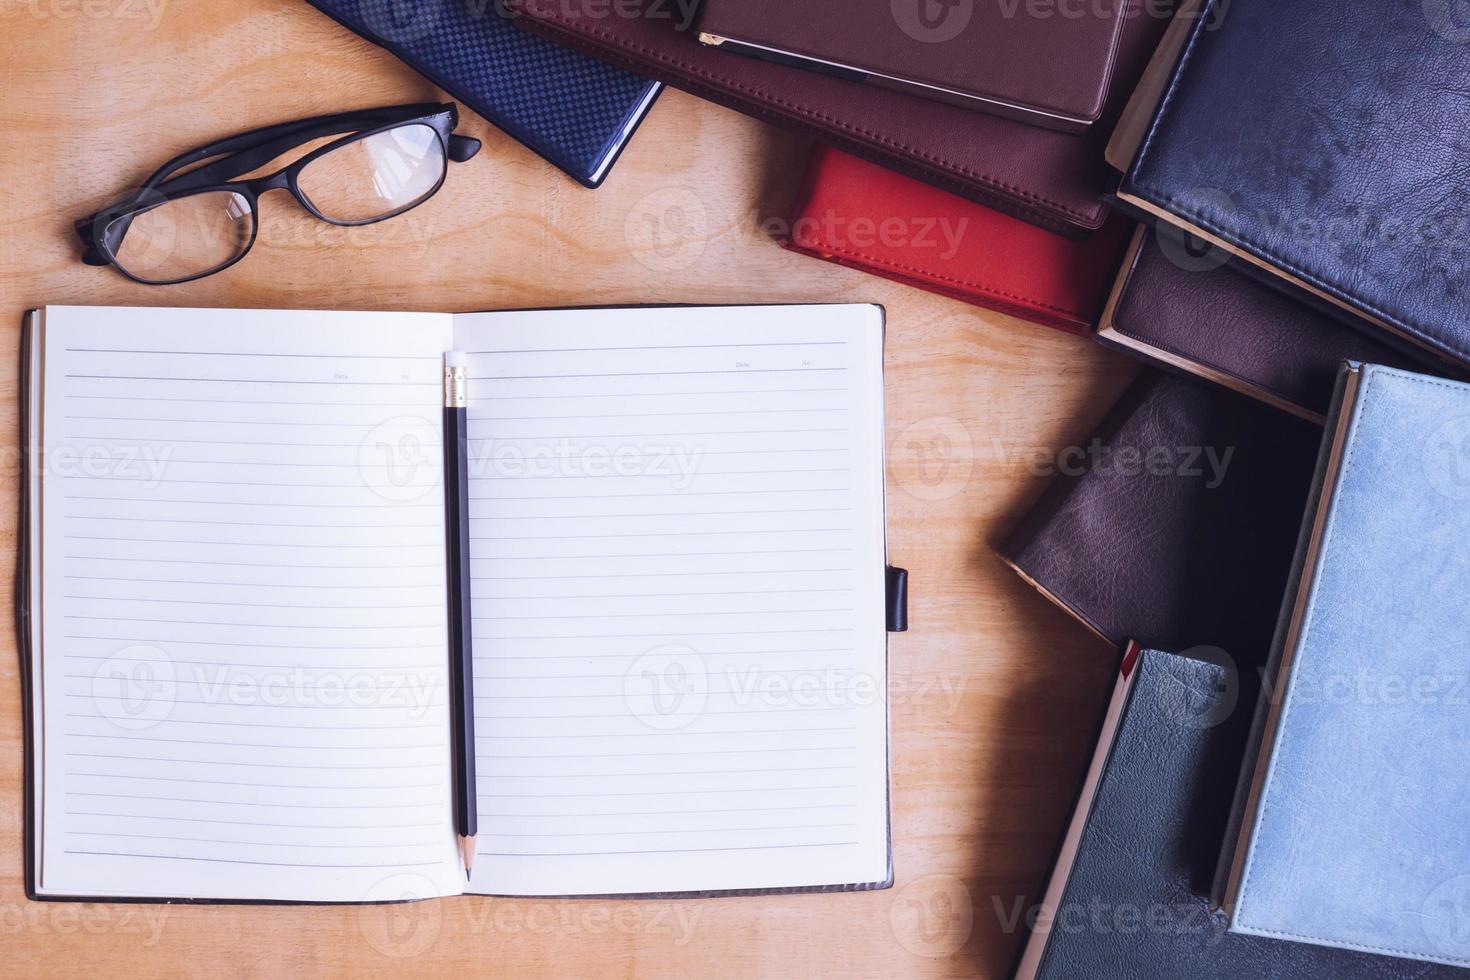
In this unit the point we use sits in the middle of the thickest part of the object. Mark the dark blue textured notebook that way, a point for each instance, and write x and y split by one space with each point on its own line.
572 109
1323 143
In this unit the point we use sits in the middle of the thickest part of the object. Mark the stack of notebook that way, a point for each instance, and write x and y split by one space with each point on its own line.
1342 853
1300 183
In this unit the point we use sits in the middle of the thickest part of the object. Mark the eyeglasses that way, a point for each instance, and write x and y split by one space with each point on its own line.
183 226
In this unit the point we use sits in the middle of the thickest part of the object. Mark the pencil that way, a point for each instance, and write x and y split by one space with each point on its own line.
461 656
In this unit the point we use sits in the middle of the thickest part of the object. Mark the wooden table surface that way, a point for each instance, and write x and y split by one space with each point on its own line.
994 692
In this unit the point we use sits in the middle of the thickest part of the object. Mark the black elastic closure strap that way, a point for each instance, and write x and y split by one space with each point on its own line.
898 599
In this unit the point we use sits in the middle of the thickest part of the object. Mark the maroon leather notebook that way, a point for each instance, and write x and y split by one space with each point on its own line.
1055 180
992 56
1179 522
1194 314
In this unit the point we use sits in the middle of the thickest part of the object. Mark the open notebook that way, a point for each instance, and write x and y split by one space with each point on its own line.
235 608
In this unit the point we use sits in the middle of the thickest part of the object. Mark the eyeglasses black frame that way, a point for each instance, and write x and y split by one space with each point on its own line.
102 233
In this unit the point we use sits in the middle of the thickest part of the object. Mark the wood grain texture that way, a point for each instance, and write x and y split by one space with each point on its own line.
995 693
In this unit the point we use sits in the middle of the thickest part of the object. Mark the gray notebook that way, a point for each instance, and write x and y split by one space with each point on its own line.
1353 816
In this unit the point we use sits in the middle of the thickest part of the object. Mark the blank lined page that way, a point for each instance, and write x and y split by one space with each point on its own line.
243 663
677 542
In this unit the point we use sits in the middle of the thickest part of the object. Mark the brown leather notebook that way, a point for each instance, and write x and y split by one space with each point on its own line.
1047 70
1051 179
1180 526
1190 312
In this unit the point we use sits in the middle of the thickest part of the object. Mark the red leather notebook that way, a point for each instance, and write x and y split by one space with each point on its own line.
862 216
1055 180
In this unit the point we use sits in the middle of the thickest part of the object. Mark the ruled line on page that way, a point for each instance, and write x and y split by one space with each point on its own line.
667 850
273 864
257 803
400 356
648 347
652 394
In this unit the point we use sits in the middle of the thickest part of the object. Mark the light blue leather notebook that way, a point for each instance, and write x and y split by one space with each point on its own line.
1354 817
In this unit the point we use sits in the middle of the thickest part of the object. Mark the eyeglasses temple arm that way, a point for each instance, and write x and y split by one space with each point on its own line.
462 148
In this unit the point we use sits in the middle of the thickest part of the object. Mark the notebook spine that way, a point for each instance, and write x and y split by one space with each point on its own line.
1230 846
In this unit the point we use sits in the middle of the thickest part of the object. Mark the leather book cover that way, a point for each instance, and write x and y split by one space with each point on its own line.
1128 902
859 215
1186 311
1055 180
1175 522
1309 140
573 110
1047 69
1363 737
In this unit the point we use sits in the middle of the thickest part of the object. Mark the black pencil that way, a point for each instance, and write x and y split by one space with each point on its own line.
461 656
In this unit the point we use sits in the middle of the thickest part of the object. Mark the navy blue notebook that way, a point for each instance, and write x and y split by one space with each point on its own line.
572 109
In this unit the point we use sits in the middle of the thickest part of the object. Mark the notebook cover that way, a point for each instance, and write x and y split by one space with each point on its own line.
1050 71
1051 179
1368 741
1304 136
1188 312
575 111
1142 537
859 215
1130 907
